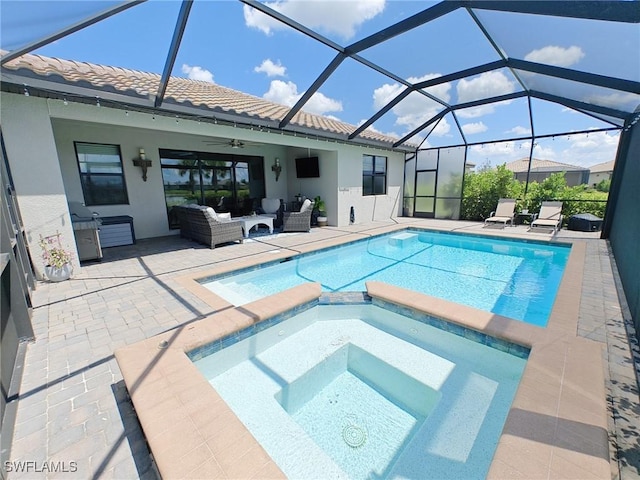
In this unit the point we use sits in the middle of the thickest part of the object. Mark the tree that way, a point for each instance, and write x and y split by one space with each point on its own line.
483 189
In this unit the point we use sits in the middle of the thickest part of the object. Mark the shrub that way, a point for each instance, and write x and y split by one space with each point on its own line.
604 185
483 189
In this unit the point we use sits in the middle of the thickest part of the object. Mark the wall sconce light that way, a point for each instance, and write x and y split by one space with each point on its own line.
143 163
276 168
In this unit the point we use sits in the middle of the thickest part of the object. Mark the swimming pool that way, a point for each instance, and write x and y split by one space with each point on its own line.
344 391
517 279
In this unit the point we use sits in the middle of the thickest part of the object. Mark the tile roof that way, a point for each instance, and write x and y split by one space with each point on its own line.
181 90
602 167
537 165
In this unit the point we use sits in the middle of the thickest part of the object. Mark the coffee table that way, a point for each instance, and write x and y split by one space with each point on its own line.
250 221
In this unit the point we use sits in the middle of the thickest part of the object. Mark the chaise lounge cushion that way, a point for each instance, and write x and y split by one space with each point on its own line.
549 218
503 214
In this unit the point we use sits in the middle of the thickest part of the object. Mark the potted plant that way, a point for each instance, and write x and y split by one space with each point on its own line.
57 261
320 207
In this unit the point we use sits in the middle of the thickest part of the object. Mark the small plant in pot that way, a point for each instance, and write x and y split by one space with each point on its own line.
57 260
319 206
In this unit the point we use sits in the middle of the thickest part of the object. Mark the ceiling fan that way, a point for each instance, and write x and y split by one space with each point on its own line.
233 143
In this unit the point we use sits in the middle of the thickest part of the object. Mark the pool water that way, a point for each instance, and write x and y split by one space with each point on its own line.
344 391
354 400
516 279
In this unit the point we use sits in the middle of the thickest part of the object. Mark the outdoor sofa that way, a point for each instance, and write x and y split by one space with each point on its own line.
204 225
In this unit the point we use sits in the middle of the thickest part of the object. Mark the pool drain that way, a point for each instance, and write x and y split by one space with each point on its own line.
353 434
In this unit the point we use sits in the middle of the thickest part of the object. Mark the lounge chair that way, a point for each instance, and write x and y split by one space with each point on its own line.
549 219
502 215
298 221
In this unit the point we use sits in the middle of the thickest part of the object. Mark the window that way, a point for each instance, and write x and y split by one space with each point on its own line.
374 175
101 174
228 183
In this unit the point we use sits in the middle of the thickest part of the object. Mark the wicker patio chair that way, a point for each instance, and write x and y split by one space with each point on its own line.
298 221
197 224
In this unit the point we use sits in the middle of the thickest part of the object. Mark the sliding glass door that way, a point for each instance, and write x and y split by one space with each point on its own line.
228 183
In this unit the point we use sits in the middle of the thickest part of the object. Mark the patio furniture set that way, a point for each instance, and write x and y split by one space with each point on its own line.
203 224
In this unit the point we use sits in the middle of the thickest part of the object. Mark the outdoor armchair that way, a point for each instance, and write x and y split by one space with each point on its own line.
298 221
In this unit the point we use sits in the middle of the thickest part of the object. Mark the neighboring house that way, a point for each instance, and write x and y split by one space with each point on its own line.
209 144
599 172
542 169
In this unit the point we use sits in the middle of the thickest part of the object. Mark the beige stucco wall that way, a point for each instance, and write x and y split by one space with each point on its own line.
88 123
595 178
31 150
40 134
373 207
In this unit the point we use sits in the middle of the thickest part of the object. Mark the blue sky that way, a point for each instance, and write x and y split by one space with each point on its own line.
237 47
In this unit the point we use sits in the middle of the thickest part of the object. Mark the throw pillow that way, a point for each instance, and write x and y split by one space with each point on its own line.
211 213
305 205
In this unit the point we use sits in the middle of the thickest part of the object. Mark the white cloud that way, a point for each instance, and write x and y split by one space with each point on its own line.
375 130
319 103
197 73
286 93
334 17
486 85
582 149
472 128
590 149
558 56
519 130
415 109
619 100
544 152
271 69
498 149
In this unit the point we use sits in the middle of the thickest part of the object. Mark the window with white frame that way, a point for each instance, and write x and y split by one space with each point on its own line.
374 175
101 174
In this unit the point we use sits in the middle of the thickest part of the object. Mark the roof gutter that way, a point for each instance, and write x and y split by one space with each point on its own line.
84 92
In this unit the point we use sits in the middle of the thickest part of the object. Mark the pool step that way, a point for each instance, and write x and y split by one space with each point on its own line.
401 239
236 294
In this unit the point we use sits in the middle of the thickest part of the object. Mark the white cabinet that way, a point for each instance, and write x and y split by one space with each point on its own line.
116 231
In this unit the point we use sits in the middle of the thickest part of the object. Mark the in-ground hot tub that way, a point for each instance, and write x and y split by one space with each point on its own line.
344 391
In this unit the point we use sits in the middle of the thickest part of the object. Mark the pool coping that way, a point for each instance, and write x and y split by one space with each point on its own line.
556 427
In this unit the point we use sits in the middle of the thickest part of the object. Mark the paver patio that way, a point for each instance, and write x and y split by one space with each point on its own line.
75 409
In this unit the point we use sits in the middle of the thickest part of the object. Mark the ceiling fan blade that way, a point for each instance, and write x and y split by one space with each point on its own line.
233 143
